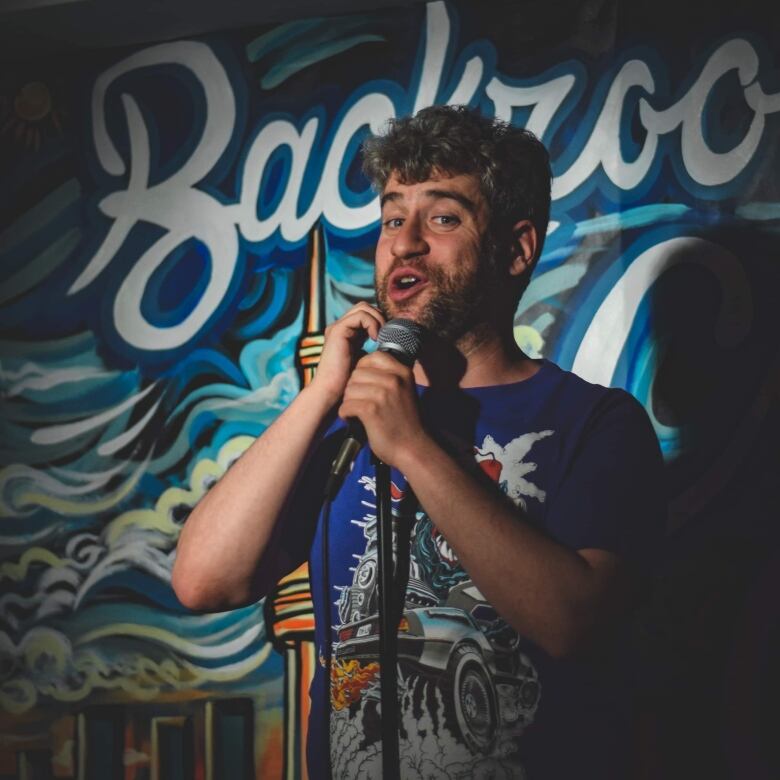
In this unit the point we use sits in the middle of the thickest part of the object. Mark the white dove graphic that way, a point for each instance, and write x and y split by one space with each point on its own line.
513 467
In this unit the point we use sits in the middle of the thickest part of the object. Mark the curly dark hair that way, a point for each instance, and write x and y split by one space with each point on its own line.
511 163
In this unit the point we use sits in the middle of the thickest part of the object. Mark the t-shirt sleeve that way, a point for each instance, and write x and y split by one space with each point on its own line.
299 523
294 531
611 495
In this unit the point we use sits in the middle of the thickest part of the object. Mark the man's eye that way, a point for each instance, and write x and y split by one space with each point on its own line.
446 219
393 222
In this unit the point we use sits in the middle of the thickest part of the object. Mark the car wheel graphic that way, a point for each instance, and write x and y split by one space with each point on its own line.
473 698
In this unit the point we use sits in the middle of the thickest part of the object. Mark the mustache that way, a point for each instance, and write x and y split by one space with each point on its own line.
402 262
432 272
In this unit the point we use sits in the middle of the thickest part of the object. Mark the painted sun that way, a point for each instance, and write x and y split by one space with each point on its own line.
30 115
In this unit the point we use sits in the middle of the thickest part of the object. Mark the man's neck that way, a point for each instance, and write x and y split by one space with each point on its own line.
483 357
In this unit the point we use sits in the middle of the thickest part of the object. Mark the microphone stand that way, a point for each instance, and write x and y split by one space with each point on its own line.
388 624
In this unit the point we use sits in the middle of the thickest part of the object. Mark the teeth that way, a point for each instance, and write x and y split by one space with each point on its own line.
407 281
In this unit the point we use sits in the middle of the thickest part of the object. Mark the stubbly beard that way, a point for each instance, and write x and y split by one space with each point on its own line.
458 305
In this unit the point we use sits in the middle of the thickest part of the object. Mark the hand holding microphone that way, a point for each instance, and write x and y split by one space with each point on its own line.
380 397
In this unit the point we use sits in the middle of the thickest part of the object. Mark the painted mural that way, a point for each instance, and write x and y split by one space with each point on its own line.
180 222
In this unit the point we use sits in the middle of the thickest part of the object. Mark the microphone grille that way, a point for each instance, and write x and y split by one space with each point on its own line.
404 338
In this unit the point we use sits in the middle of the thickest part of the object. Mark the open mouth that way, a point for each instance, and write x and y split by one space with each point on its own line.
404 283
407 282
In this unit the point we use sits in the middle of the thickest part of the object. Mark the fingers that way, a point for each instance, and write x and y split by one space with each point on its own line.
379 384
347 335
343 342
360 321
380 393
378 376
381 363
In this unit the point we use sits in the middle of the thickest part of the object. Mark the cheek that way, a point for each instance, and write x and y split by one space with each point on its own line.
461 248
383 258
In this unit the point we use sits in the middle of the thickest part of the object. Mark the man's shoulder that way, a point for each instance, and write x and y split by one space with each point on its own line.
576 385
581 405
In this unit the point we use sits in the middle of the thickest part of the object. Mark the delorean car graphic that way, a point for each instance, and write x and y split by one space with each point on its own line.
463 645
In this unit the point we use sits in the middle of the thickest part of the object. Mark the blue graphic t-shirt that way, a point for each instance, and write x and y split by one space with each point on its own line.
582 464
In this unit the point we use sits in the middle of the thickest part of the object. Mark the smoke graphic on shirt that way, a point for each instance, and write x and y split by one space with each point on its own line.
428 749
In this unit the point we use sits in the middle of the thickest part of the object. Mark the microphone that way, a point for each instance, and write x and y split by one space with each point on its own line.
402 339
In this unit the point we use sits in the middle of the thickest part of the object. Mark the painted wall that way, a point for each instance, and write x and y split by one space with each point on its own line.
163 214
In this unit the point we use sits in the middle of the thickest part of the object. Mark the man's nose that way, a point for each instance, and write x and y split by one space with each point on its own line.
410 241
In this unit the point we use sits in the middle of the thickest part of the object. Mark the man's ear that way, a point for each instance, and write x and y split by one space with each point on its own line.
524 246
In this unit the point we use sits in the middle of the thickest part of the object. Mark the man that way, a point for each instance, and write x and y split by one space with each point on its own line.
530 497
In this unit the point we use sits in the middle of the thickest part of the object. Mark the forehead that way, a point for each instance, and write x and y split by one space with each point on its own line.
437 185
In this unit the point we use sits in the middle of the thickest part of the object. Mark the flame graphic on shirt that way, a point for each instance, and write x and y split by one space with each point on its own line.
348 680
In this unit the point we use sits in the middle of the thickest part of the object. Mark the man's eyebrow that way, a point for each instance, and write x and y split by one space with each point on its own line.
434 194
458 197
389 197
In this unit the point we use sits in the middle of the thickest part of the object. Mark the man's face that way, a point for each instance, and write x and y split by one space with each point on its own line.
430 259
